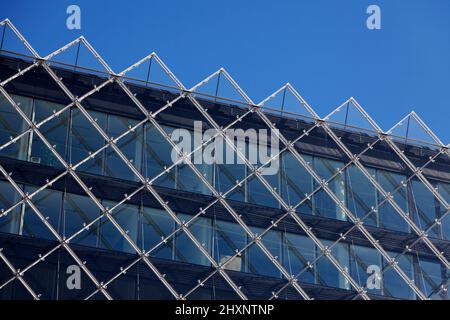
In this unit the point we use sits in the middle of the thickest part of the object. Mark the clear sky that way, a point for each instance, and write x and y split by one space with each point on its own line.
322 47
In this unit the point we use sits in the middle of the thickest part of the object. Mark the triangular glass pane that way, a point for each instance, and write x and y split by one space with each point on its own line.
285 103
221 90
149 74
79 60
11 44
409 131
348 117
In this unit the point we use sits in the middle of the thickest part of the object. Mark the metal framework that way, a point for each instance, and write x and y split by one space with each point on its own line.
219 198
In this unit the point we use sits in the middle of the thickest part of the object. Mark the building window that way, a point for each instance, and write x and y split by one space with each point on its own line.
157 157
228 238
257 261
324 205
127 216
431 279
188 180
228 174
423 207
393 284
80 211
85 139
49 203
444 191
327 274
156 225
185 249
296 182
257 192
299 256
130 145
9 223
362 263
395 184
12 124
361 195
55 131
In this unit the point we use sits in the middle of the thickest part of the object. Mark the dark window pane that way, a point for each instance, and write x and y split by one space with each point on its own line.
12 124
157 155
393 284
257 261
80 211
229 173
185 249
55 131
48 202
130 145
396 185
324 205
126 216
156 225
361 195
444 191
296 182
229 237
327 274
9 223
430 279
257 192
423 207
85 139
361 258
298 251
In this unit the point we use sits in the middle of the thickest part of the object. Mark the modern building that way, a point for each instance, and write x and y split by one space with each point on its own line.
93 207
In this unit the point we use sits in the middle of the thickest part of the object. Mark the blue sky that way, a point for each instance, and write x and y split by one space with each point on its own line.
322 47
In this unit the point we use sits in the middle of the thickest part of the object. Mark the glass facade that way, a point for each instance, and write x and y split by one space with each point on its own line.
148 227
75 138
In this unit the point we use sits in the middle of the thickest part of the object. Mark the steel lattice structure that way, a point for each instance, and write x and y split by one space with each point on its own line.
252 108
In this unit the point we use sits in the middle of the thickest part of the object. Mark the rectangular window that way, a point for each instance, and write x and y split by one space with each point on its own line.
229 237
393 284
80 211
258 193
12 124
156 225
185 248
327 274
130 145
257 261
361 195
85 139
298 257
127 216
395 184
423 207
296 182
364 263
55 131
324 205
157 157
49 203
444 191
228 174
9 223
431 278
